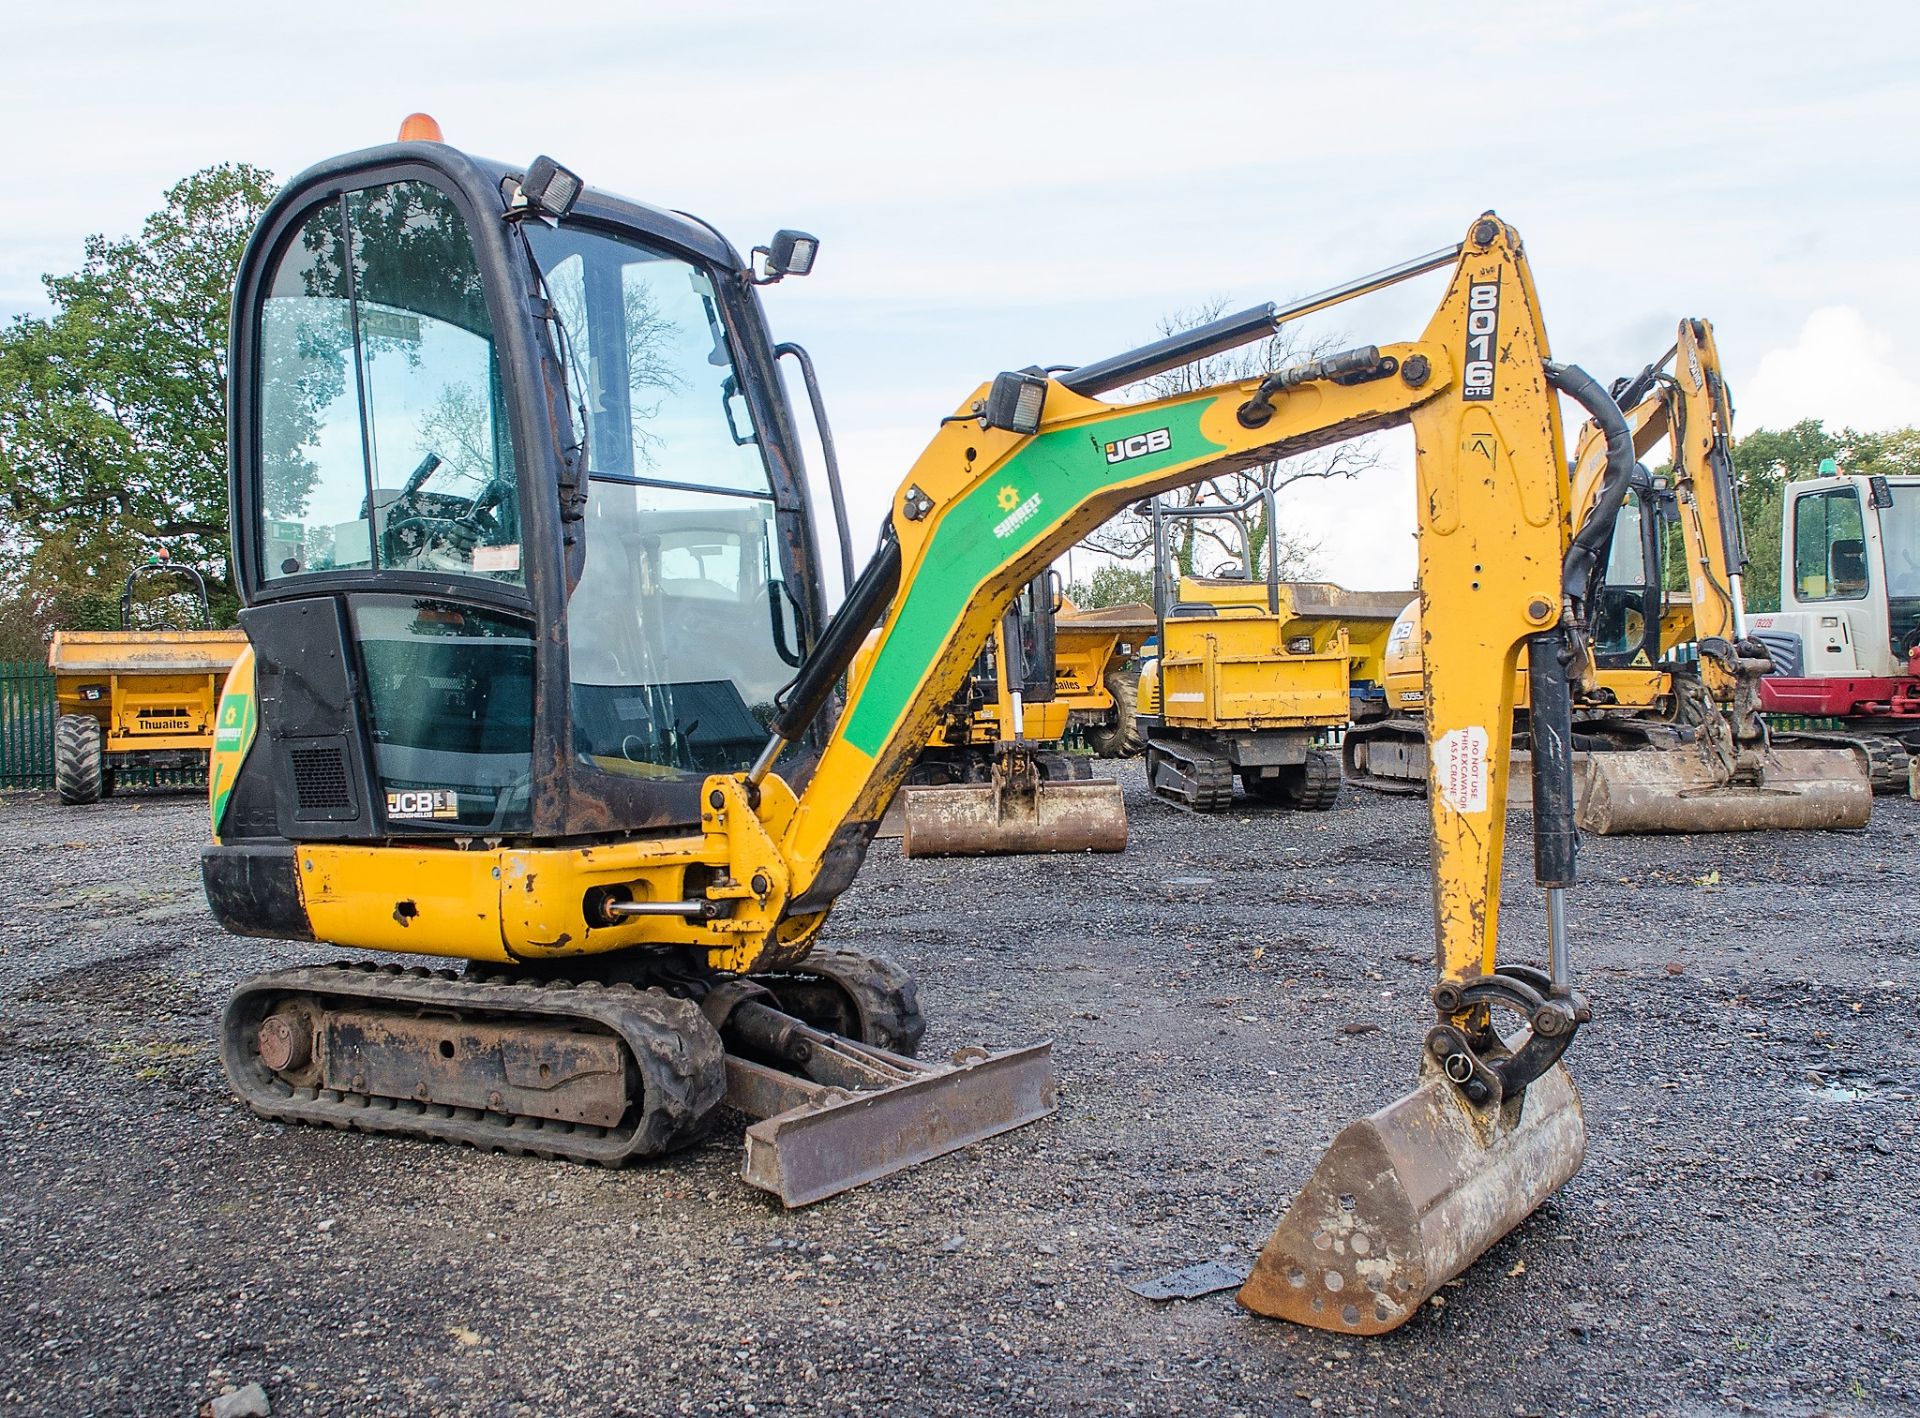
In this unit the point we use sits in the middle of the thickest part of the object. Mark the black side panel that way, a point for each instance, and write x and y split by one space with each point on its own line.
251 810
316 751
253 890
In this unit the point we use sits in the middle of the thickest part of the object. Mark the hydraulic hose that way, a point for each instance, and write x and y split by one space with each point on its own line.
1586 557
800 702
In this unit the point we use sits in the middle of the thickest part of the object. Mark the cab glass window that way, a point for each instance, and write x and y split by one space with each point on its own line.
383 432
684 625
1900 535
1829 547
1627 601
449 699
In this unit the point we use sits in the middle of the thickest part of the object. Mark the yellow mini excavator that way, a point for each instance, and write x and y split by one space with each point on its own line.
539 678
1664 743
996 776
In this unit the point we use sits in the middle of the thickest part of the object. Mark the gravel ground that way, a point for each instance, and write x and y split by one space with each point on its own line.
1742 1238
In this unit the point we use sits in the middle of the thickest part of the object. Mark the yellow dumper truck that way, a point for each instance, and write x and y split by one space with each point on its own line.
136 697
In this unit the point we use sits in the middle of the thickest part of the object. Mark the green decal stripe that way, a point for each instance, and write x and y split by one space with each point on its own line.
239 717
993 525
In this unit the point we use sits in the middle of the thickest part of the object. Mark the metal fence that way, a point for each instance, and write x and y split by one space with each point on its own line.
28 712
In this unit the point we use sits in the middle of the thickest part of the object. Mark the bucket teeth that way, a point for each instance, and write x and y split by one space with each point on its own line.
1407 1198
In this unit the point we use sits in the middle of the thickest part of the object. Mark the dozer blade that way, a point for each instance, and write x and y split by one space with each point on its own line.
1673 791
1408 1198
973 820
828 1140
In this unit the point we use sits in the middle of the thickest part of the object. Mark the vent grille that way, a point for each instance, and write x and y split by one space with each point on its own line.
320 779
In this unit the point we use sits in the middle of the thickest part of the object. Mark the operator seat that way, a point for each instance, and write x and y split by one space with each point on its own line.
1848 562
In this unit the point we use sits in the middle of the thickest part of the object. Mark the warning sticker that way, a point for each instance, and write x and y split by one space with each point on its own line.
1460 768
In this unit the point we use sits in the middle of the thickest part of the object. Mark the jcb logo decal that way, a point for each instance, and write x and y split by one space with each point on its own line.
424 802
1483 332
1158 440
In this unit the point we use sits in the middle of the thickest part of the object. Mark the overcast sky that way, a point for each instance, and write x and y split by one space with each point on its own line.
1003 184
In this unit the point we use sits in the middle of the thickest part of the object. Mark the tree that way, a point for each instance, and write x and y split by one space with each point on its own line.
1130 535
113 408
1113 583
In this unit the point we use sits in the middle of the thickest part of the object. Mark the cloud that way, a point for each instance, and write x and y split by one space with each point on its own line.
1840 370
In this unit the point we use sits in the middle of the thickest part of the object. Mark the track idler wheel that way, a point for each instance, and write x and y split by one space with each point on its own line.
1408 1197
866 997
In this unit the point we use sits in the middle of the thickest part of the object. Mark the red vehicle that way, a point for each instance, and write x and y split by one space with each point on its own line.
1846 640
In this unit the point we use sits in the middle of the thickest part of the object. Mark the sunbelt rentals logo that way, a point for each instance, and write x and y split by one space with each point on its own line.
1018 512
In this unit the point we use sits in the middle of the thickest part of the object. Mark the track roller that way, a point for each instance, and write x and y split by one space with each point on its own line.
1389 756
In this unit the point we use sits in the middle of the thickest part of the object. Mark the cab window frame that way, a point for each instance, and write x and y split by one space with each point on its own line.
512 342
1828 497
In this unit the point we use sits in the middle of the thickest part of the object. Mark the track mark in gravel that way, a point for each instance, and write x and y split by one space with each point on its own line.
115 980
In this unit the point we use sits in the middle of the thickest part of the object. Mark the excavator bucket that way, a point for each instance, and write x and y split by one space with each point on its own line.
971 820
1018 812
1679 792
1408 1198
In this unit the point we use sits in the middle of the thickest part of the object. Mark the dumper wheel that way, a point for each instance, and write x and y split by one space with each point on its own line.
1313 786
866 997
1122 738
79 765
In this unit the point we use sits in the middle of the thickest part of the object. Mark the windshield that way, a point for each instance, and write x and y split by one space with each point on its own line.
649 355
1626 610
1900 533
682 628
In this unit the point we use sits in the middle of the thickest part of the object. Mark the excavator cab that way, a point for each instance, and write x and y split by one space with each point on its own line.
525 490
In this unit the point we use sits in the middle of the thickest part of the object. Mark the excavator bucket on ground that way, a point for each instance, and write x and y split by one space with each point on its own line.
1017 812
1411 1196
1679 791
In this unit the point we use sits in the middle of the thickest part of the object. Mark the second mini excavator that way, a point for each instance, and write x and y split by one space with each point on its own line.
1665 744
561 715
996 778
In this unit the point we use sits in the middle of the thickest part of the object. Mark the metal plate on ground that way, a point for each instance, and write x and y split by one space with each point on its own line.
1193 1281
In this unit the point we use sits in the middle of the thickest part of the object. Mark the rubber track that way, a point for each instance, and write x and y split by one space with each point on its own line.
1211 775
1321 789
680 1058
1887 758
